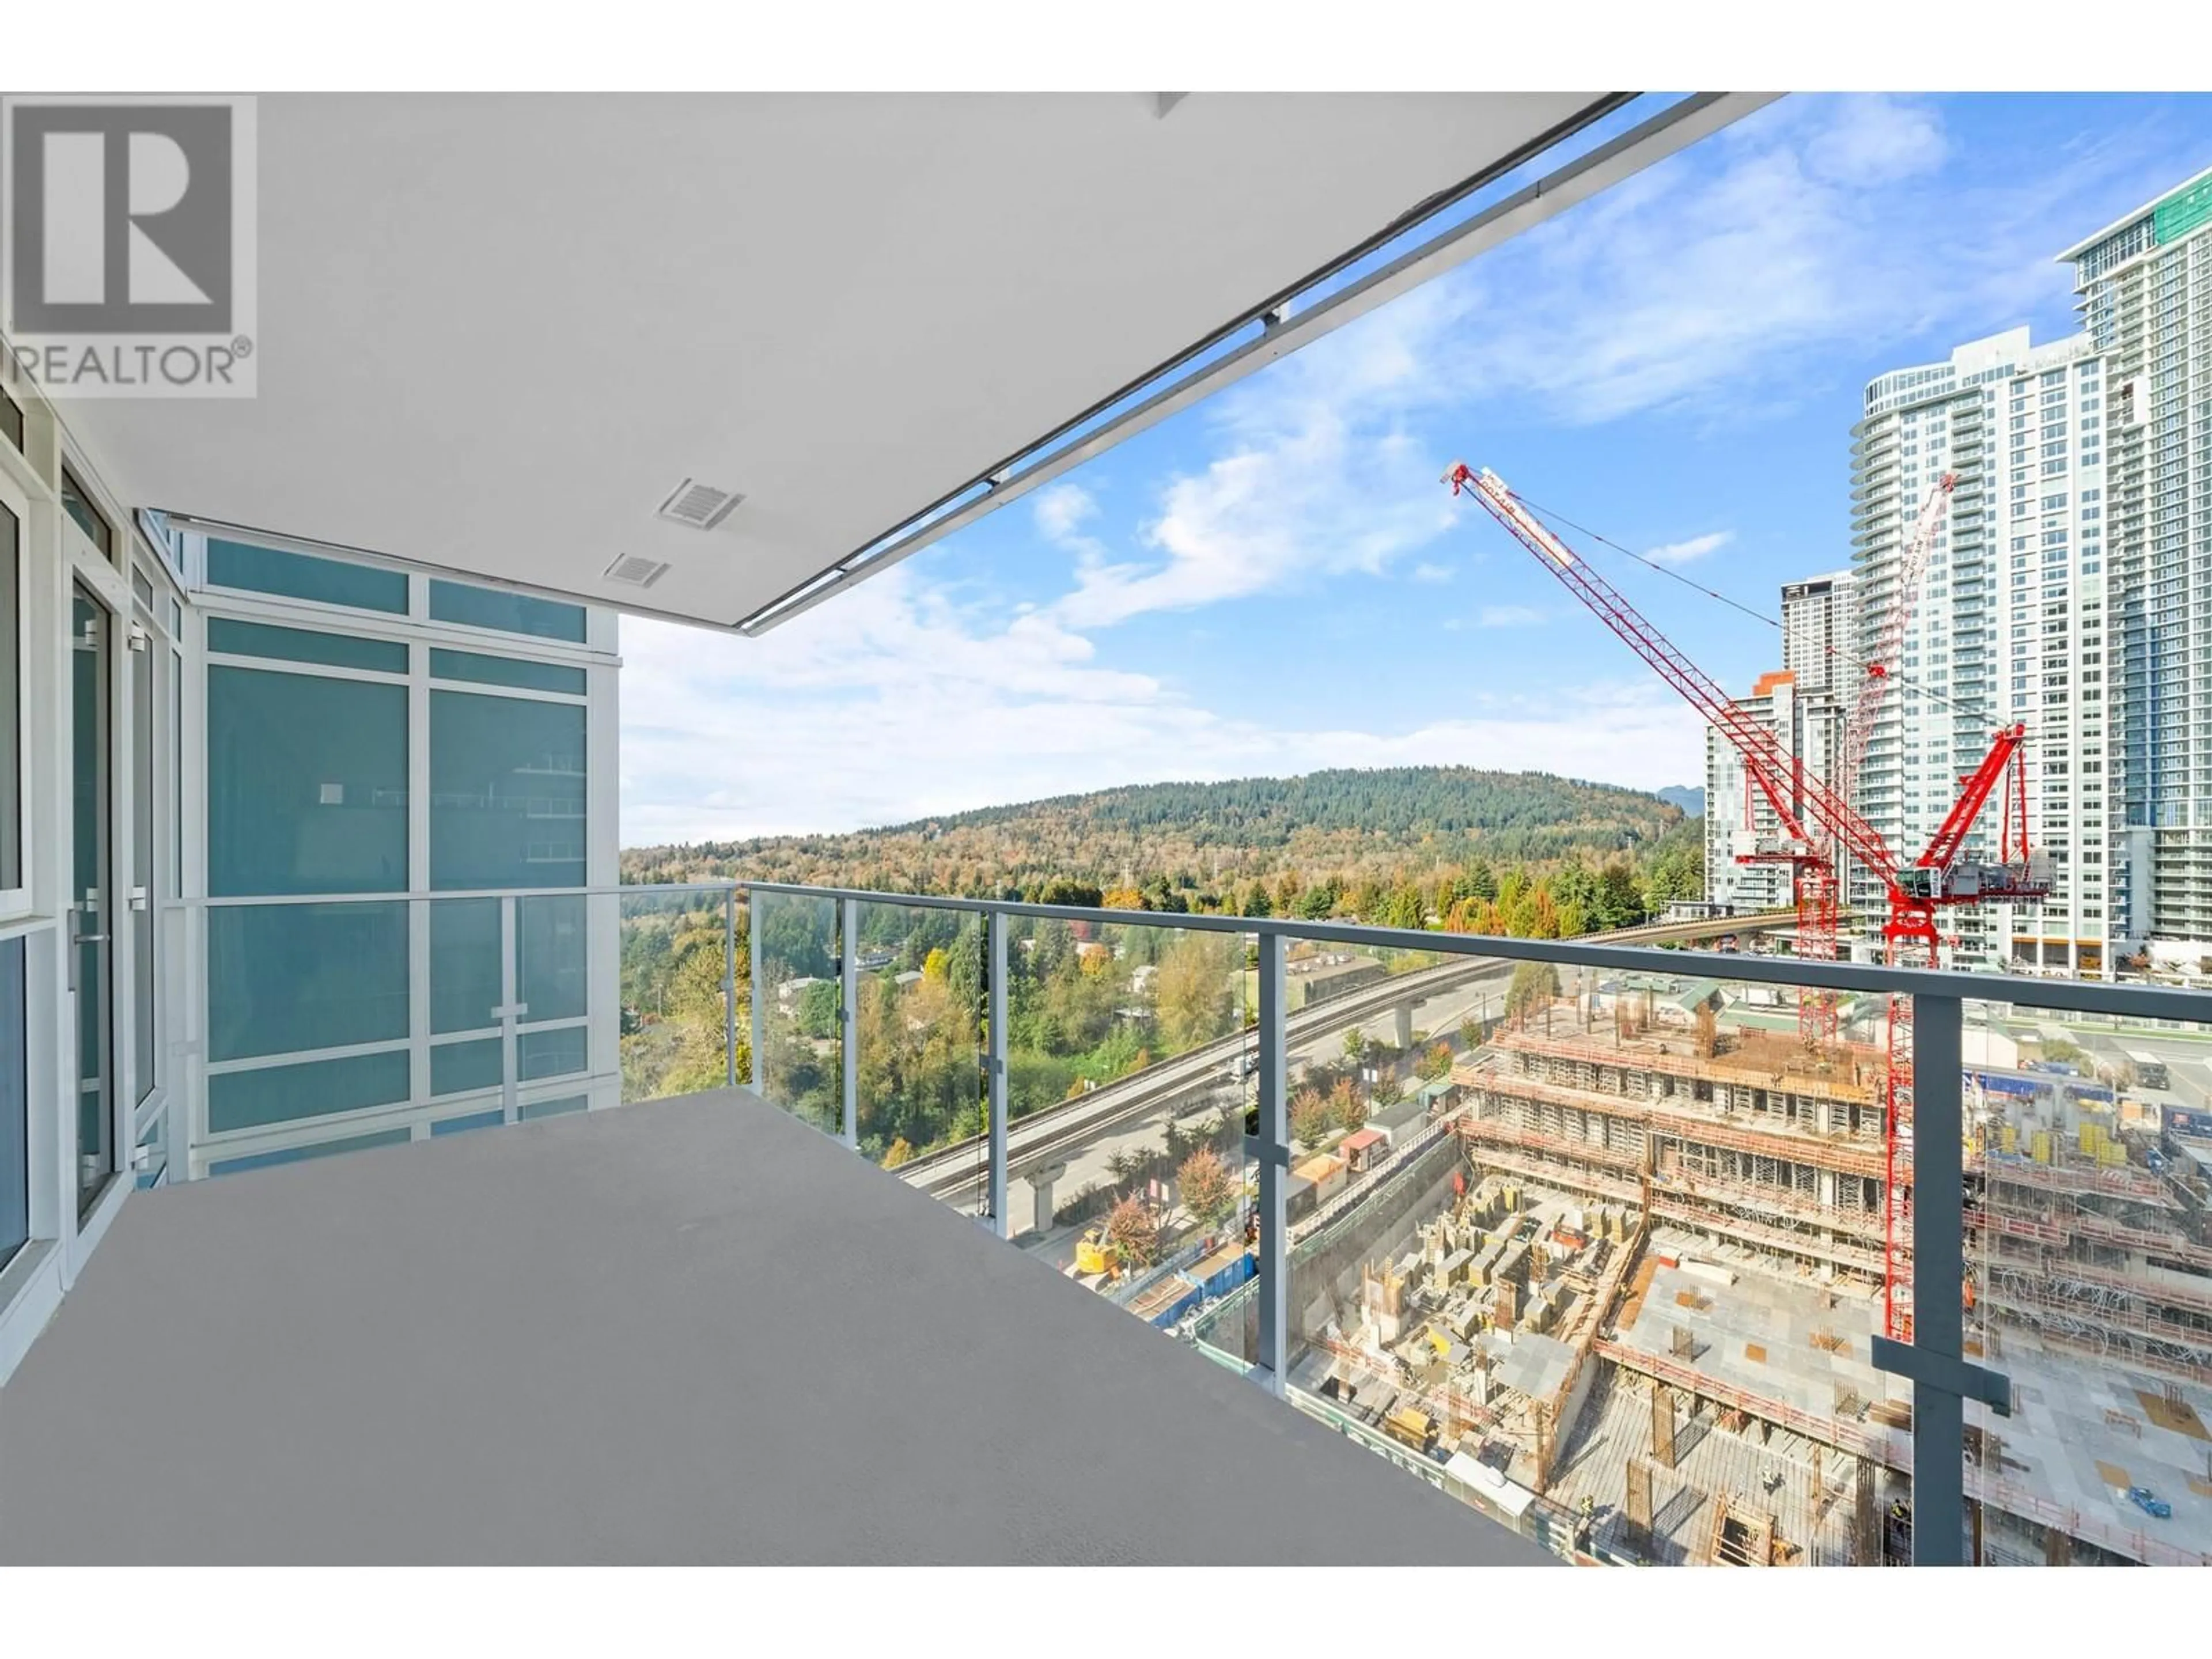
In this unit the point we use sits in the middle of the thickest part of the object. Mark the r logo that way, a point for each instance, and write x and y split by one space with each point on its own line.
120 218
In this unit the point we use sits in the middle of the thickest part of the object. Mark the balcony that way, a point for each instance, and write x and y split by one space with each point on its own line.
692 1332
1581 1221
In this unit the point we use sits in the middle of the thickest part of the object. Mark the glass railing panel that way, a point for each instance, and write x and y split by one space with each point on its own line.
674 948
1610 1272
919 1088
1127 1082
2088 1287
797 995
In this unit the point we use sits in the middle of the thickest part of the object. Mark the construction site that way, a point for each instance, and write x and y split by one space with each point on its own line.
1627 1307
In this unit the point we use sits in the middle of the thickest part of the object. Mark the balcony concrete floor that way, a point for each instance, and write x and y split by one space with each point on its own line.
689 1331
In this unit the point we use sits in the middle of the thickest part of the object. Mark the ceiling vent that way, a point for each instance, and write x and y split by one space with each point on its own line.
631 571
700 506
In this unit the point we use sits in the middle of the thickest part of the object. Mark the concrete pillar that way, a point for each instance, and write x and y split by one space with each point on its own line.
1041 1181
1663 1430
1405 1012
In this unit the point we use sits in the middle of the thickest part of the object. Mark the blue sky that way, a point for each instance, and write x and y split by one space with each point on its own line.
1274 581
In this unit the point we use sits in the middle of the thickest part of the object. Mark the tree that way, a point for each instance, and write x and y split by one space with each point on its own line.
818 1009
1345 1108
1470 1032
1355 1045
1436 1065
899 1152
1388 1091
1309 1119
1532 983
1133 1234
1195 990
1209 1191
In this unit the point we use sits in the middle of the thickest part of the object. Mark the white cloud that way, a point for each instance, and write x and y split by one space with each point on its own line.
1425 572
1508 616
891 704
1696 548
1060 507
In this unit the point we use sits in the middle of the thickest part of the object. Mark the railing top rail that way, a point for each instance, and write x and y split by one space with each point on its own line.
2085 996
2063 995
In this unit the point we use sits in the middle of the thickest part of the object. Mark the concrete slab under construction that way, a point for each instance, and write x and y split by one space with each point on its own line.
1800 1343
2083 1431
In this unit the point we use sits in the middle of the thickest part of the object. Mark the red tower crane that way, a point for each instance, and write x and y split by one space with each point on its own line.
1939 876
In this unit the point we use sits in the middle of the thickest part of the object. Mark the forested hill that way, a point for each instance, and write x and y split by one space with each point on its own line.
1210 839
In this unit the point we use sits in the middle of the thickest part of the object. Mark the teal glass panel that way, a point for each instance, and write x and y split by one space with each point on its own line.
464 977
506 792
561 1107
505 671
553 1054
458 1067
286 977
301 1154
15 1102
301 576
313 1088
306 784
511 613
552 975
454 1126
245 639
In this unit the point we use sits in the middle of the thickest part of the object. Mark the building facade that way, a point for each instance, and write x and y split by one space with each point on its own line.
292 853
1801 704
2008 624
2145 289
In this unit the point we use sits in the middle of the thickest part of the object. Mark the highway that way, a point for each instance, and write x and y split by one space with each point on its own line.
1079 1131
1042 1137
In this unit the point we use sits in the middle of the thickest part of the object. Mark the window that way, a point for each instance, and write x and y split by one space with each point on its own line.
302 576
510 613
11 424
307 783
506 792
76 501
12 568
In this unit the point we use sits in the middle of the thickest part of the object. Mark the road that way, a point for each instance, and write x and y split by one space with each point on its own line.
1317 1031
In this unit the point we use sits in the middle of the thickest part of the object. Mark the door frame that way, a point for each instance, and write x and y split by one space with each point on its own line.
110 585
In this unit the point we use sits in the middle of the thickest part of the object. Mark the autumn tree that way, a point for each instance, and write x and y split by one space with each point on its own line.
1209 1190
1436 1065
1345 1110
1309 1119
1196 990
1133 1234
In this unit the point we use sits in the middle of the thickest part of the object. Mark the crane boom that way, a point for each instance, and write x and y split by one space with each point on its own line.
1779 779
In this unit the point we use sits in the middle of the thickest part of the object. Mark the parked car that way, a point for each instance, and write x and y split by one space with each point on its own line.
2150 1504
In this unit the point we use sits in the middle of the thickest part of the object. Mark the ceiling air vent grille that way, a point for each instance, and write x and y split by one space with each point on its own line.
700 506
632 571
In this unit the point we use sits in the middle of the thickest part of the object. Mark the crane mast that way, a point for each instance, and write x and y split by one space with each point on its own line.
1939 876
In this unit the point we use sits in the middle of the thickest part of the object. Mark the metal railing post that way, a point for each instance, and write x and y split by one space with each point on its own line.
995 1061
509 1010
730 988
1272 1149
760 1010
1939 1268
1943 1379
848 1014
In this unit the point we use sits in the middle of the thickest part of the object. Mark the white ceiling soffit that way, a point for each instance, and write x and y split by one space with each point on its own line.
536 339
